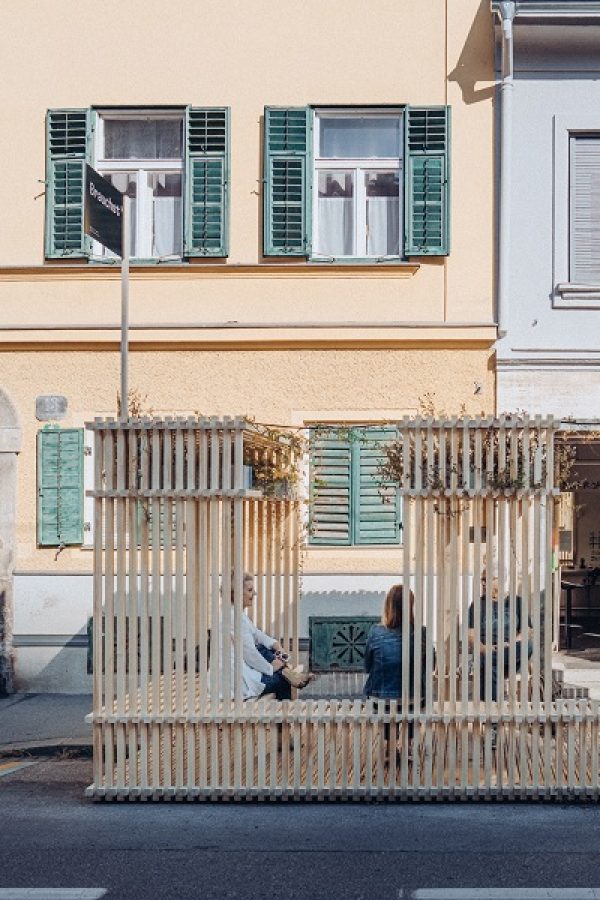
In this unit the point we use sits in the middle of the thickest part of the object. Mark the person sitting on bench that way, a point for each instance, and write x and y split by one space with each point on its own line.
384 653
265 665
500 633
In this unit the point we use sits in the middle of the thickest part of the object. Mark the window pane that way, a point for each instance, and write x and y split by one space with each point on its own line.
360 137
383 213
166 213
335 229
143 138
126 182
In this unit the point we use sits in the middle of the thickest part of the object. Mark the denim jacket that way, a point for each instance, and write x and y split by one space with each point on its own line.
383 663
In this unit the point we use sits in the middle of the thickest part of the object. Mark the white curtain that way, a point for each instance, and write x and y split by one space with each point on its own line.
336 215
383 226
360 138
143 139
167 238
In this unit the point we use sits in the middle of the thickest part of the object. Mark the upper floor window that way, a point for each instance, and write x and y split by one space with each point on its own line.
172 163
142 156
357 184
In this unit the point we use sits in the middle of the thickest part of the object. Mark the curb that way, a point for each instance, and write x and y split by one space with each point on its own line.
68 749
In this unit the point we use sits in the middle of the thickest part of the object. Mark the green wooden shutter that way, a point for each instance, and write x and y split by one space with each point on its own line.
287 176
60 486
376 504
427 181
330 483
206 214
68 148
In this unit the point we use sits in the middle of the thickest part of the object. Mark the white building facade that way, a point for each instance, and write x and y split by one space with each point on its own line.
548 353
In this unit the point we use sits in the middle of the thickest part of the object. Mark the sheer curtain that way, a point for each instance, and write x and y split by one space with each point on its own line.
336 226
383 226
143 138
360 137
166 227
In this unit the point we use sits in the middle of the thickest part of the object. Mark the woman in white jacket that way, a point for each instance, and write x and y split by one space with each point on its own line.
265 668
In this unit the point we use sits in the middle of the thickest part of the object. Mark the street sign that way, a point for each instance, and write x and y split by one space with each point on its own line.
103 218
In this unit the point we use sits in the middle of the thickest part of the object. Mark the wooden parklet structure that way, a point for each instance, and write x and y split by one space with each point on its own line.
175 529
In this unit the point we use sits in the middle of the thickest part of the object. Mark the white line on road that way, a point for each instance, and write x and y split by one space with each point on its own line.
505 894
52 893
13 765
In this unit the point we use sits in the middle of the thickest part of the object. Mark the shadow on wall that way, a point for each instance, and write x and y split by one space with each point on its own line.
476 60
51 669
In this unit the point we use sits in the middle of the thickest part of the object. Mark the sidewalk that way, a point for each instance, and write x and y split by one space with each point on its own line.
42 724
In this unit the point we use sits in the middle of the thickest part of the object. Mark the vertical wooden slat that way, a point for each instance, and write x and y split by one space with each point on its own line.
109 590
133 613
120 606
144 631
99 704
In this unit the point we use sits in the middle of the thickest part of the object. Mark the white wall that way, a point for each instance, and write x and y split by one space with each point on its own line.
549 361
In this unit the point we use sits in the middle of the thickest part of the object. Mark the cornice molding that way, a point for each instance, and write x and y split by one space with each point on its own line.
64 272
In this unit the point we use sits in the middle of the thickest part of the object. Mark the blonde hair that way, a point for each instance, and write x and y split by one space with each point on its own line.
393 607
247 576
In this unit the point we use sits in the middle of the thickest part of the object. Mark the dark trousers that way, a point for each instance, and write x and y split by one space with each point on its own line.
494 668
275 683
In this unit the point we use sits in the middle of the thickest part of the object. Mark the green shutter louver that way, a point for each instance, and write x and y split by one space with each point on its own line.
60 486
286 182
376 504
427 181
331 470
207 142
68 147
350 504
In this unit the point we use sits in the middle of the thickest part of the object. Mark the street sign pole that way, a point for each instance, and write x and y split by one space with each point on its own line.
125 312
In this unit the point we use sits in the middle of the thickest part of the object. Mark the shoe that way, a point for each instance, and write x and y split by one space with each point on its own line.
295 678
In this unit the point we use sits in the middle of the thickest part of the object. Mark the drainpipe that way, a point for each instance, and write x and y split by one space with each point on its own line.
507 10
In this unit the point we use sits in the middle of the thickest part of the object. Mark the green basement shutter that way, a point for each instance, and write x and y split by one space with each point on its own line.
286 182
206 211
376 504
331 469
60 486
68 148
427 187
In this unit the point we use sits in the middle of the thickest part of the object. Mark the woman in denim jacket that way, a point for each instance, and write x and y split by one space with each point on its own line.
383 655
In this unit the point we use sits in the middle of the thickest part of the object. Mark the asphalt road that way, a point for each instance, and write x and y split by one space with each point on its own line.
53 837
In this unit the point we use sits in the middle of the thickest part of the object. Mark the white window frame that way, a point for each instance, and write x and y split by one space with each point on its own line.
359 166
143 236
567 294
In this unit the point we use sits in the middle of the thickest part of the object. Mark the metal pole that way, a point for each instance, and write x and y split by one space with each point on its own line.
507 13
125 312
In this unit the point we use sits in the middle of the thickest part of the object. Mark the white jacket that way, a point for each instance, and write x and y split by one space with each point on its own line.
254 665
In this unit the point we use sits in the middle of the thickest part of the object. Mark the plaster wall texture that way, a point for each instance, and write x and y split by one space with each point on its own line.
284 387
427 52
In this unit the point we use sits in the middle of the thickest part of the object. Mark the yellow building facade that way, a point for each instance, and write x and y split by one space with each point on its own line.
347 321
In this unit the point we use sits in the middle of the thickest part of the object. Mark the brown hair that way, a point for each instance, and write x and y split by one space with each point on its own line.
393 607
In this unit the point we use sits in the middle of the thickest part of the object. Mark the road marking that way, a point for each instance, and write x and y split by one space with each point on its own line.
13 765
504 894
51 893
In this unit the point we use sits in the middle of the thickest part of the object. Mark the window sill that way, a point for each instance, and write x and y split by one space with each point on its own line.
357 261
576 296
352 548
